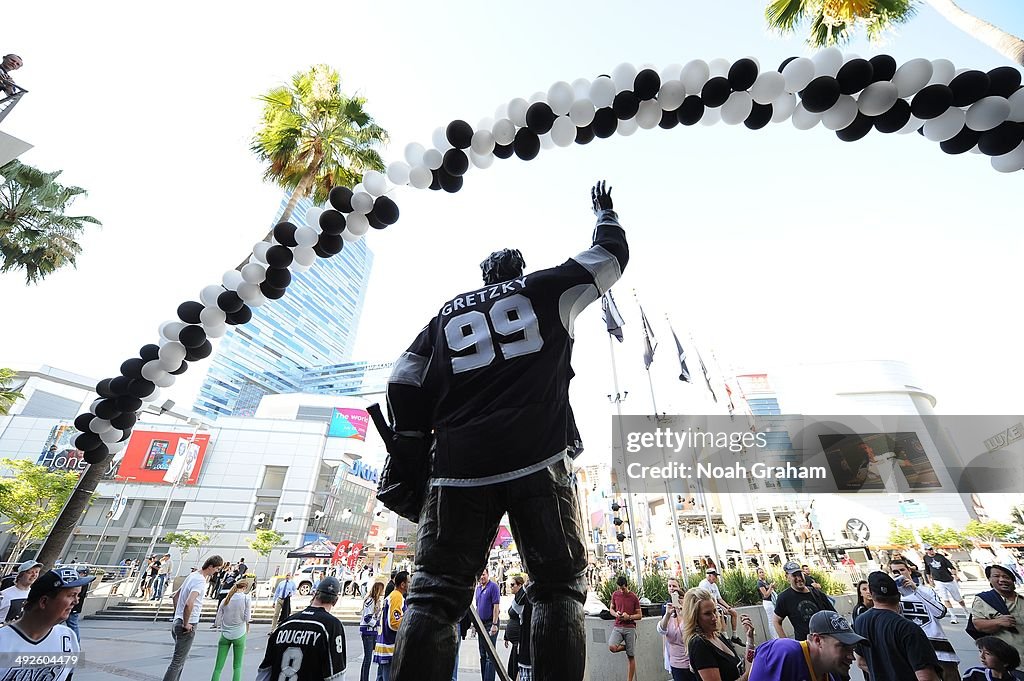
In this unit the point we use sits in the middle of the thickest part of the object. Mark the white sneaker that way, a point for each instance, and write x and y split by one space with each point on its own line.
953 619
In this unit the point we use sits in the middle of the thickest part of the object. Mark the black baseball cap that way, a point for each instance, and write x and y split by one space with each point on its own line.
791 567
828 623
329 586
50 582
882 584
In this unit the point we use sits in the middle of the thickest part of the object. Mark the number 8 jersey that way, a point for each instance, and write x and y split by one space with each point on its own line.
309 646
490 373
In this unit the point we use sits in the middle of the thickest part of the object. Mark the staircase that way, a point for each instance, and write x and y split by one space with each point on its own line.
347 610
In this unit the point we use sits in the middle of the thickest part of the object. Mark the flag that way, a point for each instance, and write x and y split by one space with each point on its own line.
684 372
707 379
650 344
612 319
117 508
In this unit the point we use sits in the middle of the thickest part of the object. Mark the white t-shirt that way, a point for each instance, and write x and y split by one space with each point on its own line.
233 615
13 600
922 607
55 649
197 583
713 588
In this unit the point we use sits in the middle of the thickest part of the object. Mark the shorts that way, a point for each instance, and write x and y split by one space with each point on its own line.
948 591
625 636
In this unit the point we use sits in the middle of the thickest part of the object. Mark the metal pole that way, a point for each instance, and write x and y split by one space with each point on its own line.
103 534
637 556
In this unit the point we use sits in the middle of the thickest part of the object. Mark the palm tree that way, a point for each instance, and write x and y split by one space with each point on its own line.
315 137
832 22
35 233
7 396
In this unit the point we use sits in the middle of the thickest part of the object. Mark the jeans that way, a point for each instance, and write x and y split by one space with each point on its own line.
453 542
383 672
158 587
72 624
369 640
486 663
237 648
182 644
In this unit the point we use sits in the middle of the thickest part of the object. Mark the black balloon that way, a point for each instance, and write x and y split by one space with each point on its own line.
183 367
386 209
341 199
107 408
149 352
192 336
229 301
451 183
646 84
605 122
883 66
821 94
279 277
132 368
332 222
127 403
895 118
435 181
785 62
526 144
87 441
691 110
103 388
963 142
969 87
270 292
459 134
96 455
931 102
202 352
540 117
456 162
742 74
669 120
1001 139
860 127
715 92
125 421
374 221
625 105
279 256
119 386
503 150
243 316
330 244
140 387
855 75
320 252
585 135
82 421
284 232
188 312
1003 81
760 116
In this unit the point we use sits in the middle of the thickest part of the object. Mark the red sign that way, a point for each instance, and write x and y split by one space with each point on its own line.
151 454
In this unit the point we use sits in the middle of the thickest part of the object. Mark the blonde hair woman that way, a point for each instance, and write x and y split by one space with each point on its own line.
712 656
233 616
369 623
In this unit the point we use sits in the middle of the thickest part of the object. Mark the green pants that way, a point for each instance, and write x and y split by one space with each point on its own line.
223 645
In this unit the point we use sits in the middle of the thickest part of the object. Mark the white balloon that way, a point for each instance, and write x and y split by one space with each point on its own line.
546 142
942 72
737 108
581 113
305 255
537 96
398 172
711 116
115 447
563 132
694 75
359 188
804 119
210 293
110 436
95 403
877 98
649 114
171 356
850 56
375 182
362 202
485 123
246 292
841 114
945 126
165 381
560 97
719 67
219 331
349 237
261 300
151 369
482 161
161 341
414 153
155 395
768 86
212 316
1010 162
602 92
306 236
581 88
671 94
504 131
1016 101
987 113
357 224
671 72
432 159
783 107
298 268
171 329
913 125
259 251
501 111
232 279
517 111
98 425
912 76
420 177
440 139
757 62
313 217
624 74
827 62
627 127
483 141
798 73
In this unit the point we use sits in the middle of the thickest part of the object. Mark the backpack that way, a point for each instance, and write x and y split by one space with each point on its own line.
994 600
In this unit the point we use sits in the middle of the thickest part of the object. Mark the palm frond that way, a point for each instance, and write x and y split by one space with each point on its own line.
784 16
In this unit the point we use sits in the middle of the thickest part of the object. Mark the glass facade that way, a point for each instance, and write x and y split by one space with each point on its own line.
313 325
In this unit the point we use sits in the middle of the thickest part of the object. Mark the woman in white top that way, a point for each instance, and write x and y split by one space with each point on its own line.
233 618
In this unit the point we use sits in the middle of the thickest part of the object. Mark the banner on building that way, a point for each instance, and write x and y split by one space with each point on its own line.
348 422
157 456
59 453
117 507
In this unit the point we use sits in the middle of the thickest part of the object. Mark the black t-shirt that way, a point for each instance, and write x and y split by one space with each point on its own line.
938 567
526 620
764 584
310 646
706 655
898 646
799 607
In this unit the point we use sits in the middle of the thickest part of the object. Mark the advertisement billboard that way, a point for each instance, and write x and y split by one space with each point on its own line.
349 423
157 456
59 453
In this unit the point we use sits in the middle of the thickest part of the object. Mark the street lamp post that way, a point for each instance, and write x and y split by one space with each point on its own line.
103 535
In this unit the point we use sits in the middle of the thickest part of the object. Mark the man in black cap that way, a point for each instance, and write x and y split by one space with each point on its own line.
39 633
999 612
899 649
827 653
799 602
310 646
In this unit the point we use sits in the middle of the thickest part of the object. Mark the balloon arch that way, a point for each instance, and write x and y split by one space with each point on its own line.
963 110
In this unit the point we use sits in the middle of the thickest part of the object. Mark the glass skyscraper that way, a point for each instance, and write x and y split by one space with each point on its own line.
313 325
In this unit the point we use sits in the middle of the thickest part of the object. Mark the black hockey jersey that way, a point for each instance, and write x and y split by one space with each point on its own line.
310 646
490 373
